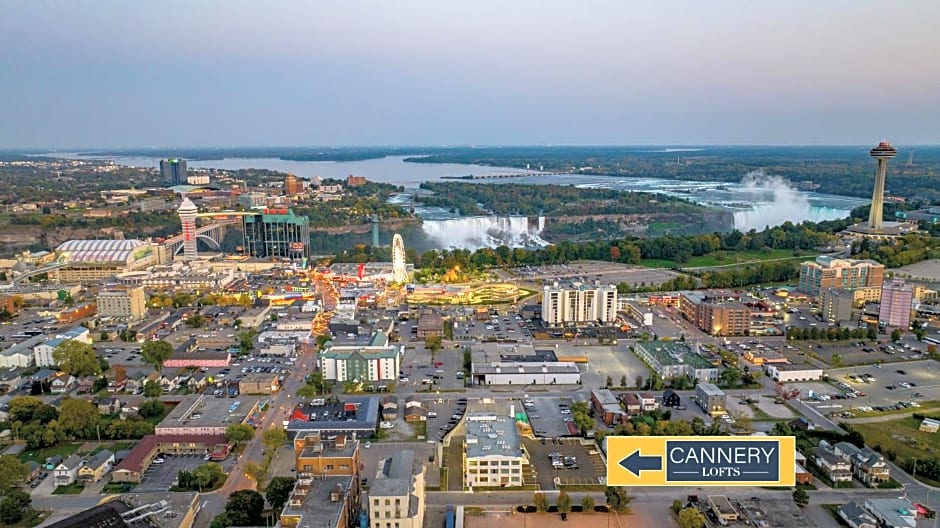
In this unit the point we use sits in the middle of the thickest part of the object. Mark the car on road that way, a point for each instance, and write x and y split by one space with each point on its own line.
902 372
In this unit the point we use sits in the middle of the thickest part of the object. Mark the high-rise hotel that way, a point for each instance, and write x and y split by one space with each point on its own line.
578 303
849 274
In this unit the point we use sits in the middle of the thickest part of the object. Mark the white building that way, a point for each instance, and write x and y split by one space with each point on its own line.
78 333
493 453
42 353
397 494
21 354
372 360
785 373
525 373
578 303
67 472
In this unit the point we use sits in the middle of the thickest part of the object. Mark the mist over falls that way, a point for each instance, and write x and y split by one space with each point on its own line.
767 200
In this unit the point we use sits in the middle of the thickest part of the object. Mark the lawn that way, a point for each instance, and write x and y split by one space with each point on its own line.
731 258
901 436
63 450
72 489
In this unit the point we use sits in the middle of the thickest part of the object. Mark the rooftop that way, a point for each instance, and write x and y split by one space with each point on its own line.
317 444
135 459
710 389
525 368
202 411
313 500
674 353
396 477
363 418
774 513
489 434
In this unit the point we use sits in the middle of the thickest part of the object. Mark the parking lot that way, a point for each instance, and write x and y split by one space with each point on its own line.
608 360
418 366
546 417
443 420
589 271
882 388
159 477
590 467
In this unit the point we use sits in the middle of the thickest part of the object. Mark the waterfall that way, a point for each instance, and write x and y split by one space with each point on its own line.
475 232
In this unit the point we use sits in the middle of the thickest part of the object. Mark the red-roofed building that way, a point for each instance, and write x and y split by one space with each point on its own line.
139 459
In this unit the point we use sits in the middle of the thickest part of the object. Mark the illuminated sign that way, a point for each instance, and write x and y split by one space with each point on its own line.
701 461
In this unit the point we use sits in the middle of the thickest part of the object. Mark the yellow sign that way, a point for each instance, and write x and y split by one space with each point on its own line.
701 461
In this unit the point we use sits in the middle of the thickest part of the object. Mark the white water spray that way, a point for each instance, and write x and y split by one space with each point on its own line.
773 201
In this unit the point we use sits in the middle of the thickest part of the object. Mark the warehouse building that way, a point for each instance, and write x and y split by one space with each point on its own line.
525 373
674 359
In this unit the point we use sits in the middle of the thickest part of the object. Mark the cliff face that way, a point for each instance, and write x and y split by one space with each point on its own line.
386 225
592 227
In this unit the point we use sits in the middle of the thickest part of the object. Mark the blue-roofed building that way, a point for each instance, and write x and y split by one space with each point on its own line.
78 333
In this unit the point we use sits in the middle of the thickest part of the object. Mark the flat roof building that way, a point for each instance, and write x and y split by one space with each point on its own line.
897 300
373 360
715 316
830 272
710 398
578 303
525 373
492 451
202 415
673 359
785 373
318 454
128 304
330 502
398 491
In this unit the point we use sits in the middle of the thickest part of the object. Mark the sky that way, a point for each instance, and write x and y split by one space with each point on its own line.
231 73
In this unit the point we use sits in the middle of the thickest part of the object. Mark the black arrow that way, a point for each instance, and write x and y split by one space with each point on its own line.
636 463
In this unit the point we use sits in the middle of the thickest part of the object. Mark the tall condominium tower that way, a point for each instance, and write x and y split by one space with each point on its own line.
173 171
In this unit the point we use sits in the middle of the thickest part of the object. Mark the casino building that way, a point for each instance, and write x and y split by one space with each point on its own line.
277 233
91 260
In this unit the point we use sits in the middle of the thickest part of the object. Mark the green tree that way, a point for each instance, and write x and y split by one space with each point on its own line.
152 389
228 519
623 381
103 336
434 344
23 408
800 497
541 502
836 360
307 391
255 471
896 335
587 504
617 499
563 502
871 333
155 353
150 408
274 438
15 506
691 518
79 418
731 377
12 471
246 340
248 502
638 382
208 476
279 490
322 340
239 433
676 506
609 382
76 358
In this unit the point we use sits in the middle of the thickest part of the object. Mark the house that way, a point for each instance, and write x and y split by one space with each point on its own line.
389 408
856 516
834 466
413 401
67 472
415 414
86 384
62 383
117 381
867 465
671 398
33 469
800 424
647 401
96 466
930 425
631 402
135 381
802 475
110 405
198 381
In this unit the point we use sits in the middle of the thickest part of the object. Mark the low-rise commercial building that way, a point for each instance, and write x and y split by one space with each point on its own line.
786 373
132 467
674 359
21 354
259 383
328 502
493 455
525 373
373 360
317 455
607 406
201 415
710 398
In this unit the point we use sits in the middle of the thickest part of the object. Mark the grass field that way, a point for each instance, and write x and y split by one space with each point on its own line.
63 450
731 258
901 436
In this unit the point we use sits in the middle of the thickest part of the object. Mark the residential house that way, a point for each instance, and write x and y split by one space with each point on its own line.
135 381
415 414
110 405
834 466
631 403
86 384
800 424
62 383
67 472
856 516
647 401
96 466
389 408
867 465
33 469
198 382
671 398
52 462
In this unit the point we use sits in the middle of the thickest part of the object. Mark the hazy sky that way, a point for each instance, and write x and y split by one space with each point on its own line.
236 73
